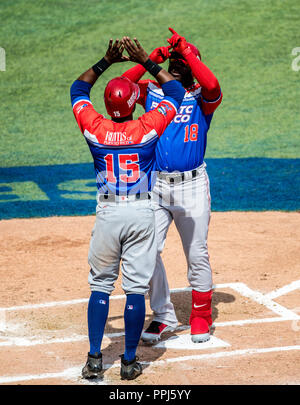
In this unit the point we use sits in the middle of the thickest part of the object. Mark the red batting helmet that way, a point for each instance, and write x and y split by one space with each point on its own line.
194 49
120 96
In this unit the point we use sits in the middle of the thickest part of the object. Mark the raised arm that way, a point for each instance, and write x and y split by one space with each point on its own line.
113 54
210 86
204 76
81 87
84 112
173 90
158 55
171 87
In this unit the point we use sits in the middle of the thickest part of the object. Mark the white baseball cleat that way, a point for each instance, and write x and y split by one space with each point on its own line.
200 338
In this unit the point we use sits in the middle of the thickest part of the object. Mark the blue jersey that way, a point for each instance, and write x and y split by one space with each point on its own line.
183 144
123 153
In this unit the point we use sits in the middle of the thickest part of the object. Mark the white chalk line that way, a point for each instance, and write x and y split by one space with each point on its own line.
263 300
25 342
85 300
241 288
72 302
75 372
69 373
216 355
55 304
266 300
295 285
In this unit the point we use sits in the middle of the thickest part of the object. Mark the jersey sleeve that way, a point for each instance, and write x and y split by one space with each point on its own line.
159 118
163 114
135 73
211 91
143 85
85 114
210 106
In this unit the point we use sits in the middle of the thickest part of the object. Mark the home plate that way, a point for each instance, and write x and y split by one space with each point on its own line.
184 342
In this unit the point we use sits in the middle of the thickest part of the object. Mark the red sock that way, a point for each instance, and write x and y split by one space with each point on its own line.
200 319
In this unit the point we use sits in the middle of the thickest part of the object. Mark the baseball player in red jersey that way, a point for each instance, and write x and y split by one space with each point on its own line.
123 151
182 190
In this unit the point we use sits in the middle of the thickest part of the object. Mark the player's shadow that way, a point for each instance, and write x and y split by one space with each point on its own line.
148 354
111 353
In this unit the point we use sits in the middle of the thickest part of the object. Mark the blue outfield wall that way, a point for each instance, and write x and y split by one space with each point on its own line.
252 184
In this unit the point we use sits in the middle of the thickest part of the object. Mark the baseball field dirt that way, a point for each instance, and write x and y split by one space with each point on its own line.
255 258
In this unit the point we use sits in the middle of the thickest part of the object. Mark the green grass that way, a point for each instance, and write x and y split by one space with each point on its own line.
247 44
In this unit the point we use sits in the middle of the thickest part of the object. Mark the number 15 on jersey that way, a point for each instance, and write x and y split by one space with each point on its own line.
128 163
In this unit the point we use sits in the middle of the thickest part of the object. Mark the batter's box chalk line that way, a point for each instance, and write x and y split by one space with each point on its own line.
2 321
241 288
74 372
184 342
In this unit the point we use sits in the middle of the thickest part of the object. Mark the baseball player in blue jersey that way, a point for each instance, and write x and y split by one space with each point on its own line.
123 151
182 190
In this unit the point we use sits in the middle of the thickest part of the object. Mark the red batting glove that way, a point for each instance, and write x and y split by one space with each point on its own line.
161 54
177 42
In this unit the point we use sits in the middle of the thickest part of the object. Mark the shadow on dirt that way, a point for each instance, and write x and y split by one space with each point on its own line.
149 353
145 352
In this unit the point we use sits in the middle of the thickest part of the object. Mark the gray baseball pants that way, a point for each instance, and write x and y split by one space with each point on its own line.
124 232
188 204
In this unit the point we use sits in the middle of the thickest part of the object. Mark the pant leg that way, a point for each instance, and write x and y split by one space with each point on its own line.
159 293
192 221
138 248
105 249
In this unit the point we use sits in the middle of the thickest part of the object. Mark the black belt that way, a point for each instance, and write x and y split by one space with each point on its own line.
173 178
120 198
